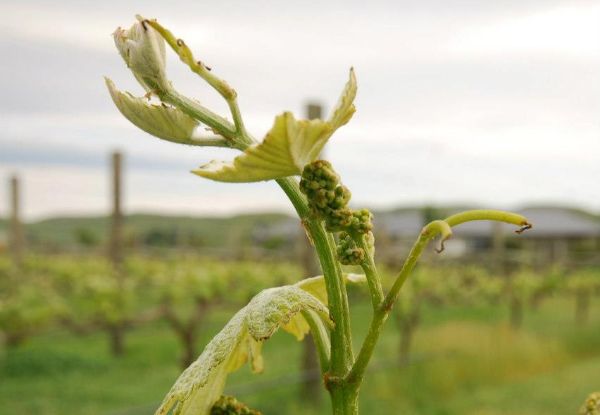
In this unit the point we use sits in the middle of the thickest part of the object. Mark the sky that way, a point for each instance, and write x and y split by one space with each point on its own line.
490 104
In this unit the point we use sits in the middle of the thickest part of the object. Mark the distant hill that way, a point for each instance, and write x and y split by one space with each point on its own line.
169 231
149 229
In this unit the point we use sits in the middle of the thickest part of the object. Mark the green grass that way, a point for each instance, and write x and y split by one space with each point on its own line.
465 361
558 391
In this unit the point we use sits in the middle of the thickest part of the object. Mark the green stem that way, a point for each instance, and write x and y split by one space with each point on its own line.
487 214
199 68
237 117
343 375
192 108
381 314
215 141
429 232
320 338
370 270
344 401
187 57
341 353
341 341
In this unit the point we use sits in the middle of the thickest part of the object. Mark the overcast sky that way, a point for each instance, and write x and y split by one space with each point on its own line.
490 103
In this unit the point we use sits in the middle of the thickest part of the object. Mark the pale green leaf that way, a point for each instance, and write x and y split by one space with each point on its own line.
201 384
143 50
162 121
345 107
287 148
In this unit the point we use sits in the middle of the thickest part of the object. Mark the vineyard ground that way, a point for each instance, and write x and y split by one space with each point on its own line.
466 360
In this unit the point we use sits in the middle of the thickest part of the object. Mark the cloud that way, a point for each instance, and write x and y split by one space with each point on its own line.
49 189
453 96
569 31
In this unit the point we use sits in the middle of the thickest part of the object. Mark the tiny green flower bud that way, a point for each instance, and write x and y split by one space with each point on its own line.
341 197
328 199
143 50
347 251
321 198
362 221
338 220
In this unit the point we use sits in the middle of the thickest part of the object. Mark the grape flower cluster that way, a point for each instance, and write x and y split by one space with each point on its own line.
328 200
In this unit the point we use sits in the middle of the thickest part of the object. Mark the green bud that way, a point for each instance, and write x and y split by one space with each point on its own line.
341 197
362 221
347 251
338 220
328 199
143 50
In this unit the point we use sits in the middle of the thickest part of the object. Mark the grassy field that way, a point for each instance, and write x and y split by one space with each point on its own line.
210 232
465 361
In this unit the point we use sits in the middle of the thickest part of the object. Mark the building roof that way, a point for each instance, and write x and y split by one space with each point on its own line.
548 222
401 224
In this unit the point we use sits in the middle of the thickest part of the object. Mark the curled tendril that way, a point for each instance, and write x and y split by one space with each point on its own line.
432 229
443 227
525 226
441 245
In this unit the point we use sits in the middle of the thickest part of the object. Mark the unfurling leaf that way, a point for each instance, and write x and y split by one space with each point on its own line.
143 50
287 147
345 107
162 121
202 383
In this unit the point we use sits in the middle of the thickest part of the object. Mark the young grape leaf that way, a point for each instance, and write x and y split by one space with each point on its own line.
143 50
168 123
287 147
345 106
202 383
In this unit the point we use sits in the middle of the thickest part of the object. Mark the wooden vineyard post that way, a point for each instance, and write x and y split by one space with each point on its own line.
310 391
116 329
116 224
16 236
